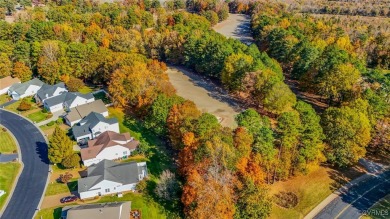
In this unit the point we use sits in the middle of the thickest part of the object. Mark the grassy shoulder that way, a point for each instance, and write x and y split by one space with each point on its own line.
7 143
4 98
311 189
8 172
380 210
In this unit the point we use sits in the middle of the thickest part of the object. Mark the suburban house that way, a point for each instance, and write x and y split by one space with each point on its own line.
110 146
92 126
109 177
66 99
48 91
110 210
6 83
77 113
21 90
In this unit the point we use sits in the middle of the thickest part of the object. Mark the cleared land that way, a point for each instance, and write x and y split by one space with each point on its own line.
236 26
207 96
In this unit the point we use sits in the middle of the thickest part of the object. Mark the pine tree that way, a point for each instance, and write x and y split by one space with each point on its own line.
60 146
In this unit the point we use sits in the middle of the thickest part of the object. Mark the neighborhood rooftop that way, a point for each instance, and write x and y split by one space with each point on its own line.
48 90
112 210
8 81
82 111
90 121
20 88
66 97
105 140
124 173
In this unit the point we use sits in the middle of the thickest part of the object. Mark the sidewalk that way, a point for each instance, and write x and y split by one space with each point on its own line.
55 116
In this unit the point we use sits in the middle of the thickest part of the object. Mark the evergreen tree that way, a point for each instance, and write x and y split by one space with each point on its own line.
60 146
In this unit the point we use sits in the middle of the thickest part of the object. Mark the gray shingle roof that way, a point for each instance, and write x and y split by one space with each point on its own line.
90 121
67 97
113 210
124 173
47 90
79 112
22 87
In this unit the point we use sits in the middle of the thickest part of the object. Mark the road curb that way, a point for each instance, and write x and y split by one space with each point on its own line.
18 174
50 166
339 191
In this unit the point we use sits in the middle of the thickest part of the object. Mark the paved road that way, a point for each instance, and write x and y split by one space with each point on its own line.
32 181
237 26
353 202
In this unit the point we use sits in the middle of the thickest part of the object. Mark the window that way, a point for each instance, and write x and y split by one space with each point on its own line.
107 190
124 152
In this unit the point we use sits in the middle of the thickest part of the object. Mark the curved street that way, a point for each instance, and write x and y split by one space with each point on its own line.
32 181
355 201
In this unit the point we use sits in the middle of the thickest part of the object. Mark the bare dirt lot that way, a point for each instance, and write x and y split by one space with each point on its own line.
236 26
207 96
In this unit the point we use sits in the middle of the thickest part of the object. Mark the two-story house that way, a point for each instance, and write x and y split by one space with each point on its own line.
109 177
92 126
110 146
21 90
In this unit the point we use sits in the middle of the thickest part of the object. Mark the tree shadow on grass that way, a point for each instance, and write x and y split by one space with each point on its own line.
161 156
342 176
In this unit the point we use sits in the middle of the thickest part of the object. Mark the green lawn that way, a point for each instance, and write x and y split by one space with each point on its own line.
37 116
380 210
8 172
58 188
149 208
13 107
7 143
85 90
160 159
4 98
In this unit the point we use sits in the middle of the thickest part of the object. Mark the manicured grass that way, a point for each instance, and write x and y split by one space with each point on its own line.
149 208
311 190
7 143
4 98
55 188
13 107
49 213
37 116
380 210
8 172
160 158
85 90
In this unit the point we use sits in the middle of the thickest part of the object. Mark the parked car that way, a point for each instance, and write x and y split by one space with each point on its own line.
66 199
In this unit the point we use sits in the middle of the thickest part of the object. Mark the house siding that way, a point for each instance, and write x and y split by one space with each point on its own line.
101 189
111 153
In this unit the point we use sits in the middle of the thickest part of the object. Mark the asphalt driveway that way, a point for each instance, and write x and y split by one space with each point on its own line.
32 181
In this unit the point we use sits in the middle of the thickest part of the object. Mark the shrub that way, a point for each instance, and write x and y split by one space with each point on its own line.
74 84
24 106
4 129
51 123
72 161
60 121
64 178
48 116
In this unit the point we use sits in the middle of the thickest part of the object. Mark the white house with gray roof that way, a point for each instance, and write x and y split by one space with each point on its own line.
21 90
109 177
110 210
67 100
92 126
48 91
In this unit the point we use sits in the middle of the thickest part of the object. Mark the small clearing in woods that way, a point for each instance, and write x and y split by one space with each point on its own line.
207 96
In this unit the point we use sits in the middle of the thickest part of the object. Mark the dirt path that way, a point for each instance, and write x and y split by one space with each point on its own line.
237 26
207 96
